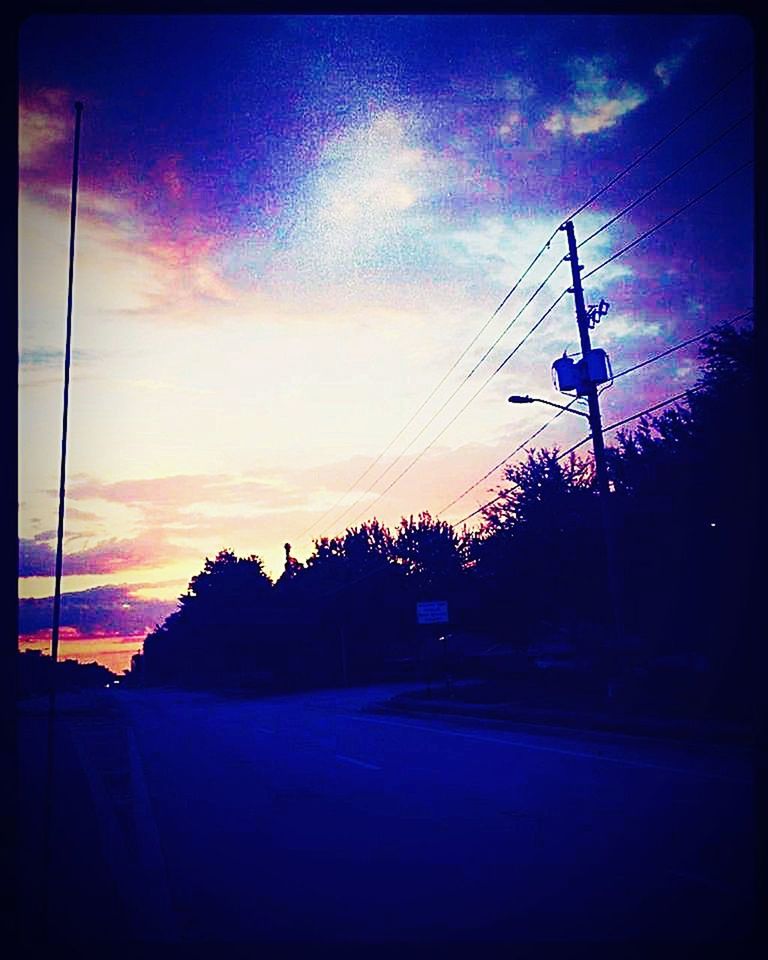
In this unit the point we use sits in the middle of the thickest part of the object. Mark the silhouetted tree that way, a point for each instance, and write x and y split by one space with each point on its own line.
430 550
216 624
34 674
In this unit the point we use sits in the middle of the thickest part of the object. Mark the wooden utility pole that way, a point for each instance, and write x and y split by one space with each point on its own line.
582 319
598 443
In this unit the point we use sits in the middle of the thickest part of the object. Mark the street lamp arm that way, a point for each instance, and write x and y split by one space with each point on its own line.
526 399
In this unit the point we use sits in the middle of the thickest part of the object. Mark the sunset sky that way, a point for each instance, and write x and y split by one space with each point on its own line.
290 227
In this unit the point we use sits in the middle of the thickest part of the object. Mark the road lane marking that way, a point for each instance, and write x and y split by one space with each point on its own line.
568 753
360 763
262 729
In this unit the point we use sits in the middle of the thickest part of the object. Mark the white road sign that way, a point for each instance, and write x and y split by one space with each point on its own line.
435 611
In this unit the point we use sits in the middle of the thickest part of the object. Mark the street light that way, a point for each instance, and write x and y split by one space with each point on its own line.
518 399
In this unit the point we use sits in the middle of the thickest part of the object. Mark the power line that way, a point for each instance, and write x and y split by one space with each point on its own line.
580 443
678 346
548 423
615 179
440 409
658 143
667 220
434 390
461 410
614 256
664 180
501 463
379 568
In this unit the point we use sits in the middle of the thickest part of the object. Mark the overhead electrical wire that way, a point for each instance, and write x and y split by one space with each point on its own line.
461 410
548 423
440 409
660 183
545 246
437 386
613 426
630 166
580 443
506 459
666 220
605 262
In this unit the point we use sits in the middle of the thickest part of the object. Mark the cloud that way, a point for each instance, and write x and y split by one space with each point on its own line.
42 126
508 87
149 549
111 611
597 102
43 358
152 493
368 177
167 530
666 68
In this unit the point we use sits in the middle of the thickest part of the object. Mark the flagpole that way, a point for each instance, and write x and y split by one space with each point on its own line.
67 358
47 891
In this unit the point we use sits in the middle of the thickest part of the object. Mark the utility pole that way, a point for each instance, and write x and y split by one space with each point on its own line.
598 443
582 319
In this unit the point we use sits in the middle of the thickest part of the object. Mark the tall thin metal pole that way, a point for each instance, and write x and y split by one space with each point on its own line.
67 357
47 892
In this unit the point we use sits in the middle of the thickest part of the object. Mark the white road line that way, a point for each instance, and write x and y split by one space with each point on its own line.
543 749
360 763
262 729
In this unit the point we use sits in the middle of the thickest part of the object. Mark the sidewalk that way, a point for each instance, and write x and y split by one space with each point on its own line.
438 702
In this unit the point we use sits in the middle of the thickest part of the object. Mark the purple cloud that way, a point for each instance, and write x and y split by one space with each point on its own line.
101 611
38 559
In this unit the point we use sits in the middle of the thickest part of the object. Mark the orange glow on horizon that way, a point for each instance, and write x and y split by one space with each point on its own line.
111 652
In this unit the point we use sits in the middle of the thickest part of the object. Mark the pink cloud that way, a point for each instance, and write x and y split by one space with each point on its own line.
43 126
107 611
149 549
155 214
152 494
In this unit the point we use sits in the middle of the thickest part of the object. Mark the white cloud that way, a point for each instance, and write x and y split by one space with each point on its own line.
512 120
369 175
42 126
666 68
597 102
510 87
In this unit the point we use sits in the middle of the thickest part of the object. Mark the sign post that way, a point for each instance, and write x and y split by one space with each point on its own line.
436 611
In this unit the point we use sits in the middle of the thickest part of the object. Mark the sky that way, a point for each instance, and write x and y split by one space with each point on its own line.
290 228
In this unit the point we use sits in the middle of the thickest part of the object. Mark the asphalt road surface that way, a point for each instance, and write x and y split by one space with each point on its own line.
182 817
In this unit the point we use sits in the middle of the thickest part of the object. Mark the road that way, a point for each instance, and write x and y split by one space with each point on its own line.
306 818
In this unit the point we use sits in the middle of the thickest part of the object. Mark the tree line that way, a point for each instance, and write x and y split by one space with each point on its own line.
681 511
